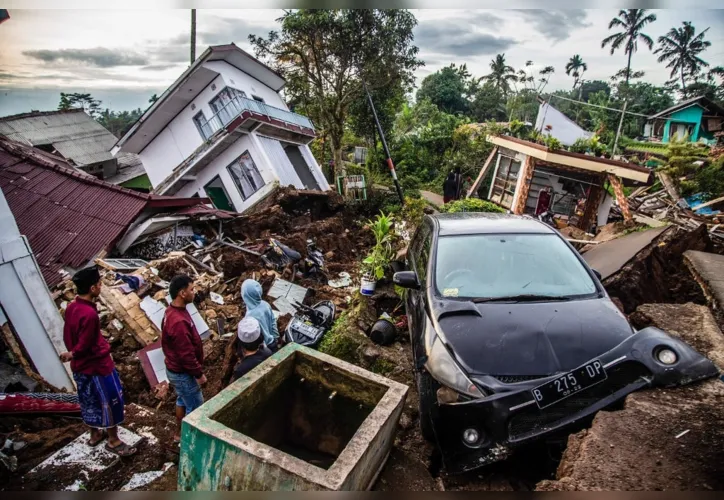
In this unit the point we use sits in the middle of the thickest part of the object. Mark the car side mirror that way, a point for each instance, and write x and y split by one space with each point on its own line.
406 279
598 275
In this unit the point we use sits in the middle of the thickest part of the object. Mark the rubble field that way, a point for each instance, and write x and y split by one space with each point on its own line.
632 448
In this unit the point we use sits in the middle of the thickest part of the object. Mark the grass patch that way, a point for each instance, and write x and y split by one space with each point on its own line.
382 367
340 340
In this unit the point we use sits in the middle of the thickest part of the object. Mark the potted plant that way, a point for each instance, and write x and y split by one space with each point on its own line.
375 265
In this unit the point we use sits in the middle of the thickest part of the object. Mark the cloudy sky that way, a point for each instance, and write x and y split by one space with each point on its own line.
123 57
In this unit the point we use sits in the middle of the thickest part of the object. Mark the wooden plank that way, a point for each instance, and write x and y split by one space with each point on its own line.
708 203
668 186
483 172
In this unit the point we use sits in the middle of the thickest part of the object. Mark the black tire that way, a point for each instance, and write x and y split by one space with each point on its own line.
427 405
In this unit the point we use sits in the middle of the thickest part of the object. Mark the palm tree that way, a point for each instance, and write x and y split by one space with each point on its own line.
632 21
577 67
501 74
681 48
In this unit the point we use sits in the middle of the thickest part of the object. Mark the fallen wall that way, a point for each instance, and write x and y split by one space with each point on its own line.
669 439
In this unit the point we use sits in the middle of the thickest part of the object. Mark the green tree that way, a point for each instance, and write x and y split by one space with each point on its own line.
447 89
78 100
576 67
325 54
488 103
153 99
632 22
501 74
118 123
681 47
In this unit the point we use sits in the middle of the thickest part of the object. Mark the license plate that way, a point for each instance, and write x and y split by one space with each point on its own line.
307 330
566 385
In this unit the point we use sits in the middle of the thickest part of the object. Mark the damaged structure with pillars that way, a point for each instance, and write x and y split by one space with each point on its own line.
529 178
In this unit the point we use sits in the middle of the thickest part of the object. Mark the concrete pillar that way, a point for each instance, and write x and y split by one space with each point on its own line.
27 303
525 176
620 197
591 210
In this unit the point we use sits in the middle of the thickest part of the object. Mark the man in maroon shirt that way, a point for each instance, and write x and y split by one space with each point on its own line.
99 388
183 350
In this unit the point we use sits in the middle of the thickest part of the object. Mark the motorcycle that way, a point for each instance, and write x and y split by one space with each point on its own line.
547 218
314 263
279 256
309 324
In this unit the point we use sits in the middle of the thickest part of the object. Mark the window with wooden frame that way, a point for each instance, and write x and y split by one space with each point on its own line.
246 175
505 181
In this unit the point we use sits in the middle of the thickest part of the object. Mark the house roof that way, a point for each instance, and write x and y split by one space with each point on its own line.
188 85
701 100
574 160
75 135
67 215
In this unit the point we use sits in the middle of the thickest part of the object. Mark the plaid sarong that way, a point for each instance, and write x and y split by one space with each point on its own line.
101 399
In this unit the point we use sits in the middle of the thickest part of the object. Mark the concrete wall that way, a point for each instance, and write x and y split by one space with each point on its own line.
234 77
218 167
180 138
26 301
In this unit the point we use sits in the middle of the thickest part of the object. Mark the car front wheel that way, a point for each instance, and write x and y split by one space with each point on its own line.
427 405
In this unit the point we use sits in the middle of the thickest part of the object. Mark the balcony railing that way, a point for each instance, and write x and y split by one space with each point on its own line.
238 105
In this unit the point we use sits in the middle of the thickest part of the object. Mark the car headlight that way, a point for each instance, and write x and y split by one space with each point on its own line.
445 370
666 356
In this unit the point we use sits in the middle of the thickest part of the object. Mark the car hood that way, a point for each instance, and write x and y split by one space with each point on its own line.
530 338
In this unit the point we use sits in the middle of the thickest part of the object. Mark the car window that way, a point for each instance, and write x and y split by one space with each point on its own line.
504 265
419 261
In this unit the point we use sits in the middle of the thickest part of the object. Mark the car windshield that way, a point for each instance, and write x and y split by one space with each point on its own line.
496 266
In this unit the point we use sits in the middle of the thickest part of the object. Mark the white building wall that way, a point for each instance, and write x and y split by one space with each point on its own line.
234 77
562 128
180 138
218 167
25 298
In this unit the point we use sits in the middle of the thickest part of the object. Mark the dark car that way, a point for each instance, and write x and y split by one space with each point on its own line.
514 337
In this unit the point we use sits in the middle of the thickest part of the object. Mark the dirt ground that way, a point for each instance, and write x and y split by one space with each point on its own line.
663 439
598 458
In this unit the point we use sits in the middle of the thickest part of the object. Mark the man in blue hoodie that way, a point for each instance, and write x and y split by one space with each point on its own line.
261 311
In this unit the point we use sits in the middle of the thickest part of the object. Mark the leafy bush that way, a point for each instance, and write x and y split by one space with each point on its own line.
710 179
413 211
377 261
552 143
471 205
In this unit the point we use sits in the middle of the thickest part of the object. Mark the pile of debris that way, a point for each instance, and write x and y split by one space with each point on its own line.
135 295
666 206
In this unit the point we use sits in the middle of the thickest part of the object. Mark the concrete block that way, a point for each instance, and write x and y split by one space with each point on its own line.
302 420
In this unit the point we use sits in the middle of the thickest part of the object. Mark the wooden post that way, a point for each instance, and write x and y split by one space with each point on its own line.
527 172
483 171
591 209
620 198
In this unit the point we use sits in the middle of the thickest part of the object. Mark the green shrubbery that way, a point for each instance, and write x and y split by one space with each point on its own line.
471 205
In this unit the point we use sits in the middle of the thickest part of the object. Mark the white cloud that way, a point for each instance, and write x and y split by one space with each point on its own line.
156 43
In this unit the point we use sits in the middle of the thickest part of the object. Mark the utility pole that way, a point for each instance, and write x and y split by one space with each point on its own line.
390 164
193 35
620 125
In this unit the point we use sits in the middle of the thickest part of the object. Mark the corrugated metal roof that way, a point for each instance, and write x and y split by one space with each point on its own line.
73 133
68 216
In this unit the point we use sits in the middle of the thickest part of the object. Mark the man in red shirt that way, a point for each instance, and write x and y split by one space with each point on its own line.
181 345
99 388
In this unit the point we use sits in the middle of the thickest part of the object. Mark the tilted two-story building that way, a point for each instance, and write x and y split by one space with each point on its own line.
222 131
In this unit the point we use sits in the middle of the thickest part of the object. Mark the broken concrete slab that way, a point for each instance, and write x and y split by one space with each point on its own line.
78 462
708 271
141 479
302 420
638 448
609 257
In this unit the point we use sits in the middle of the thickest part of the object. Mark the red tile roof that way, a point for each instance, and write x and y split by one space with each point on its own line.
68 216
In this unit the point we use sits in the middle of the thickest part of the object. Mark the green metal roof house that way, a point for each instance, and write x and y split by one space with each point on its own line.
698 119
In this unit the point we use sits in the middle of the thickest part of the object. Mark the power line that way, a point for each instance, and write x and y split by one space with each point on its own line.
595 105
